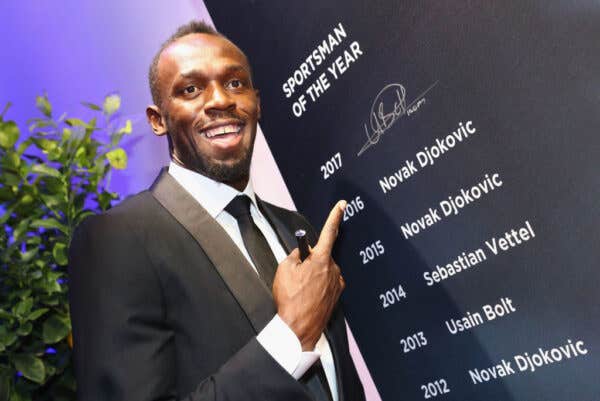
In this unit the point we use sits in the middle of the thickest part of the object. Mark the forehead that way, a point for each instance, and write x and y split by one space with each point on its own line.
198 52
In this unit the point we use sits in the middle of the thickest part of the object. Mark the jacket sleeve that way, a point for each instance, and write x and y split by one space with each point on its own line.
123 344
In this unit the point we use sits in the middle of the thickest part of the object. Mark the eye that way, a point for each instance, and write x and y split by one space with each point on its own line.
235 84
188 90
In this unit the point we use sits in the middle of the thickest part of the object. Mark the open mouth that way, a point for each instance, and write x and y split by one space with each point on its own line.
223 136
222 130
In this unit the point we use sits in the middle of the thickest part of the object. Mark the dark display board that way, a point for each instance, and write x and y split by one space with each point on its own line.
465 137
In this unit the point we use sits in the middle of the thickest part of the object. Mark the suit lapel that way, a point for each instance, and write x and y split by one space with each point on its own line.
288 240
250 292
284 233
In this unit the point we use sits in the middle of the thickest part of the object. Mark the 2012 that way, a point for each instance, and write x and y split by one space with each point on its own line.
391 296
331 165
433 389
372 251
353 207
413 342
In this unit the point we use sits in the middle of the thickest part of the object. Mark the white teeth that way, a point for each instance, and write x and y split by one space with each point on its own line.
224 129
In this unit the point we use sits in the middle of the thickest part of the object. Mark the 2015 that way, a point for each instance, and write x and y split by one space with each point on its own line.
413 342
372 251
433 389
391 296
332 165
353 207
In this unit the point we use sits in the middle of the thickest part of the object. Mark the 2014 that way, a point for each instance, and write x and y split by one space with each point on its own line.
433 389
391 296
331 165
372 251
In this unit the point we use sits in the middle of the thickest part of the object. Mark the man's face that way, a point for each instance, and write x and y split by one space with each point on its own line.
209 107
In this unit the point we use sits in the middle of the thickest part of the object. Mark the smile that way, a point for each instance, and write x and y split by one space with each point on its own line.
221 130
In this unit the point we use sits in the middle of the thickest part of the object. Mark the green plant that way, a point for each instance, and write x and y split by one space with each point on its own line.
49 182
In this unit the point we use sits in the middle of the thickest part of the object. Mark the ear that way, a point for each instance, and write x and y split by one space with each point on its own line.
156 120
257 102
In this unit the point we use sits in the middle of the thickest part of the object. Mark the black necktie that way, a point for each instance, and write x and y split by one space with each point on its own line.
257 246
262 256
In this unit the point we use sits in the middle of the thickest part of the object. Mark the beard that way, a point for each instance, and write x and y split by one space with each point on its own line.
230 171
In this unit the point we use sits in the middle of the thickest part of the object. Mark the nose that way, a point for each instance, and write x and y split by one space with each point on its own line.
218 99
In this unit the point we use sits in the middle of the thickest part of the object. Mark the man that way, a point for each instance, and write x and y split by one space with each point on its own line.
185 291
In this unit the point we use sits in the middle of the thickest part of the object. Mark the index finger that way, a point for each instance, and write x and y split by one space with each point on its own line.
330 228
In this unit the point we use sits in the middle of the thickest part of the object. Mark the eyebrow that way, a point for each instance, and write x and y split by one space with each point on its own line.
228 69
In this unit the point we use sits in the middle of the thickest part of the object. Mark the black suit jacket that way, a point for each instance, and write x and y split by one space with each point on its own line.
164 306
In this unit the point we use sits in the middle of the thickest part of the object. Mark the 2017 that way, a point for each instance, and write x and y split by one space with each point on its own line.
332 165
433 389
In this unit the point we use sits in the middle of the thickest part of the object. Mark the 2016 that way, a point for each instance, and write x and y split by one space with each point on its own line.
413 342
353 207
390 297
372 251
433 389
332 165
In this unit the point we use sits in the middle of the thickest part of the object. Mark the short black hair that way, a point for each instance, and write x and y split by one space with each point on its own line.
187 29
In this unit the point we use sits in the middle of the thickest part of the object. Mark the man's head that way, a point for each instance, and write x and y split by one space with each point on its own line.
204 100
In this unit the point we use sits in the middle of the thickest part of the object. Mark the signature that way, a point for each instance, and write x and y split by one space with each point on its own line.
383 117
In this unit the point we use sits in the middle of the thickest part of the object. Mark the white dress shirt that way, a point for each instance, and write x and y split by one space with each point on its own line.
276 338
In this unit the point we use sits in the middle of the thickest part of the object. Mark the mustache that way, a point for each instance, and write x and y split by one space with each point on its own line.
221 115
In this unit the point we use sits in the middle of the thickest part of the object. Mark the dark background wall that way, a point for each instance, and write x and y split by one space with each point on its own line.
526 75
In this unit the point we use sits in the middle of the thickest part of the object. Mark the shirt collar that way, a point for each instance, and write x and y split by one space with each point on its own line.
214 196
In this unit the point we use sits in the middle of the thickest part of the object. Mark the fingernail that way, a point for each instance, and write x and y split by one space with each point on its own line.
342 204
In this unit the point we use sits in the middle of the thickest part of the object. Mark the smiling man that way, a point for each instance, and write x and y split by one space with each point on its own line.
193 289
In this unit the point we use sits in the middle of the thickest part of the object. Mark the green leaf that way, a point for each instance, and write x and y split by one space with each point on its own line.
28 255
25 329
43 105
31 367
55 329
4 315
5 382
91 106
76 122
60 253
23 307
10 179
21 229
13 158
7 339
5 110
9 211
53 200
36 314
45 170
117 158
16 395
9 134
50 222
46 145
126 129
112 103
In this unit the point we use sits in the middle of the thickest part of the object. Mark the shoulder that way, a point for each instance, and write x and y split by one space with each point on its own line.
134 214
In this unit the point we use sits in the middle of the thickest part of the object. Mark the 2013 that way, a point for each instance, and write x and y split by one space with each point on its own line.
372 251
435 388
331 165
413 342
